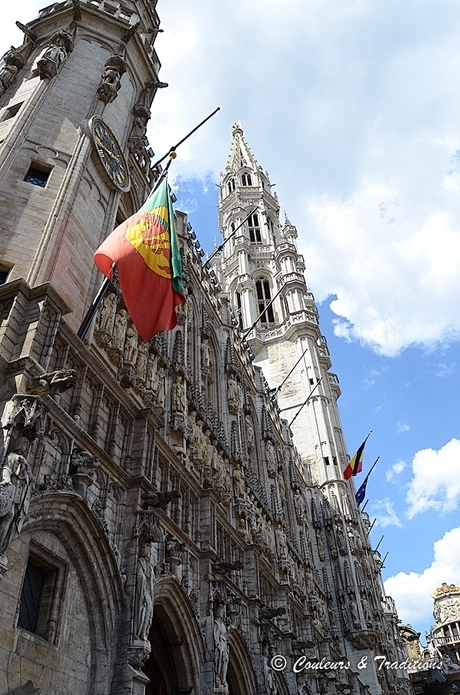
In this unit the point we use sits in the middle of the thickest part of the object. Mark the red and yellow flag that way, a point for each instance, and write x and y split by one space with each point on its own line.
145 250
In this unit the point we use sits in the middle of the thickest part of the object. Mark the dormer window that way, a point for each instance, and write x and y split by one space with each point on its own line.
254 228
246 180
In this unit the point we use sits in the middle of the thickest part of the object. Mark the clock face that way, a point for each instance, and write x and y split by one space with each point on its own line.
110 154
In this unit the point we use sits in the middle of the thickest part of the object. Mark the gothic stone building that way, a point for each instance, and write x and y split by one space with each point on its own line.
163 530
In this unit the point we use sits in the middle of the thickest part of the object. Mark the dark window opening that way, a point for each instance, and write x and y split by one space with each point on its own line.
246 180
239 310
41 595
4 272
254 228
37 176
326 460
231 185
264 299
31 597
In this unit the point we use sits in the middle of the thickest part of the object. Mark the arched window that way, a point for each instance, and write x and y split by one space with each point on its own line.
263 300
246 180
231 186
254 228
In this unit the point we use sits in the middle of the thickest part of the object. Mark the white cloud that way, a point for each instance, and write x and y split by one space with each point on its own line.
413 591
436 480
395 470
402 427
384 512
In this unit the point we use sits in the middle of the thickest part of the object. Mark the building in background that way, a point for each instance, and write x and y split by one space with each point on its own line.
436 667
163 529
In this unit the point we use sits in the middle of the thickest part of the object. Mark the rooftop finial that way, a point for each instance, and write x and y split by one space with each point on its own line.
237 129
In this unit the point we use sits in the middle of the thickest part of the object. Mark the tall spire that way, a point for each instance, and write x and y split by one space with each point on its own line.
263 273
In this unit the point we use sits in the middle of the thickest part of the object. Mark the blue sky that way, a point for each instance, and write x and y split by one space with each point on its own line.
354 109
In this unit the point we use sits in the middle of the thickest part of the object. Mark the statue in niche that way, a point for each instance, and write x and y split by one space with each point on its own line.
281 543
15 491
299 506
144 599
220 646
281 485
61 44
119 330
249 431
178 395
232 392
271 458
142 358
152 368
107 312
53 382
161 388
270 678
131 350
207 449
8 75
205 354
239 485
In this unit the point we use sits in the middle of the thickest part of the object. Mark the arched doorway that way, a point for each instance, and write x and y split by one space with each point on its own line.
176 641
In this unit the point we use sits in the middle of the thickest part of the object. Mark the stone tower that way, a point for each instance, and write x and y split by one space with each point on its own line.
261 263
67 173
160 533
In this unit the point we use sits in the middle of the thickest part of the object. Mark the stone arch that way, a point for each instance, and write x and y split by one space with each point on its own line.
240 674
177 643
66 517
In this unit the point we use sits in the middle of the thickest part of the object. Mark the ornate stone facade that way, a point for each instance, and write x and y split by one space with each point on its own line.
159 530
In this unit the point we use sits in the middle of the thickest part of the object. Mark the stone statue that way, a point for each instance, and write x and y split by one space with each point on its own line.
178 395
130 354
161 389
270 679
299 505
143 609
239 485
107 312
152 368
281 543
15 491
205 354
249 431
110 83
271 458
7 76
232 391
142 358
119 330
53 382
61 44
220 646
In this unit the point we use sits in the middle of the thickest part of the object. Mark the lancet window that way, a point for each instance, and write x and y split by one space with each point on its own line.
263 300
254 228
246 180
